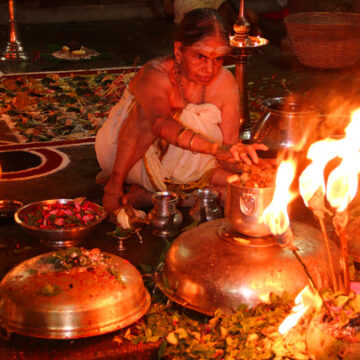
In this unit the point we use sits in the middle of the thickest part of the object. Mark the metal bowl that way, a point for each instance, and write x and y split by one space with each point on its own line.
58 237
38 300
8 208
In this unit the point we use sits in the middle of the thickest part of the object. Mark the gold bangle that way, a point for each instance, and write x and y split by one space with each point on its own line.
178 136
191 142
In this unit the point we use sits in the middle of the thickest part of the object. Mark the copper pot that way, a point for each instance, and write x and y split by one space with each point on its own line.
211 267
165 218
206 207
244 207
286 124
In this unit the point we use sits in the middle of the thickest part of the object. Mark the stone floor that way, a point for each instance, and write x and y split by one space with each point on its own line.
120 43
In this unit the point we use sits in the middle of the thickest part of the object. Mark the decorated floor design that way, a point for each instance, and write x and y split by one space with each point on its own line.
27 161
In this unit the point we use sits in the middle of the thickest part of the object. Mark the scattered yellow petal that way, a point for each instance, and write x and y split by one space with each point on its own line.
241 240
172 338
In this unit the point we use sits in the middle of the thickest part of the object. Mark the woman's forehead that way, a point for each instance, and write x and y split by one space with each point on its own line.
211 45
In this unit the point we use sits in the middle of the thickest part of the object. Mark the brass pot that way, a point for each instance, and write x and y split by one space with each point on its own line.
206 207
244 207
286 124
211 267
39 302
165 218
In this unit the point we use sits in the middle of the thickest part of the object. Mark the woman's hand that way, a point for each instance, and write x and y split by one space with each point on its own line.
239 152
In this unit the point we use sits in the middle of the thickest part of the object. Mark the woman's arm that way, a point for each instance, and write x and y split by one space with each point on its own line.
154 92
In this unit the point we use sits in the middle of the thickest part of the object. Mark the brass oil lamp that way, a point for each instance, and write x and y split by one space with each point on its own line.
13 50
242 44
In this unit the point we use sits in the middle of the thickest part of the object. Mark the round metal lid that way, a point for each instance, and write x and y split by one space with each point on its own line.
210 267
72 293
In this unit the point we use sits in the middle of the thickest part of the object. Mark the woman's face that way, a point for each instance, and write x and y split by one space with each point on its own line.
202 61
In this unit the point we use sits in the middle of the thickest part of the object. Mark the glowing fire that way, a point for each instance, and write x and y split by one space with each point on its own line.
343 181
341 188
275 216
312 178
306 300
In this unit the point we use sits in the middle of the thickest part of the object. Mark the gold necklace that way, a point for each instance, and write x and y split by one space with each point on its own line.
181 87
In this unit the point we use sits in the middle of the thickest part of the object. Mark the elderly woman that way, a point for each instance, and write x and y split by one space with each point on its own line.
177 121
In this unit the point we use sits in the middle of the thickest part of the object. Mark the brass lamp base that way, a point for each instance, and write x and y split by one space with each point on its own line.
14 52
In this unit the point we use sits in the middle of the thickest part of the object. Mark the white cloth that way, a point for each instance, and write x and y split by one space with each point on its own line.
181 7
179 165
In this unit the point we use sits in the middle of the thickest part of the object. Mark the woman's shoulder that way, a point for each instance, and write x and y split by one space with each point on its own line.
224 83
223 90
225 75
157 73
161 66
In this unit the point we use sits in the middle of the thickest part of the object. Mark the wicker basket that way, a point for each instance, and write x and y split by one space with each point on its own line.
326 40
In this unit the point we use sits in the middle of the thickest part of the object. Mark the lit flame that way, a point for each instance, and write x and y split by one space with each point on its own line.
312 178
340 190
275 216
307 299
343 181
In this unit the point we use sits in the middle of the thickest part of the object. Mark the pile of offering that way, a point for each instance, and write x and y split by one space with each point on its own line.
57 215
128 220
333 331
260 175
74 258
75 51
60 222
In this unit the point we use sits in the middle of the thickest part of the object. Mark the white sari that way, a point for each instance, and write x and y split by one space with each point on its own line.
179 166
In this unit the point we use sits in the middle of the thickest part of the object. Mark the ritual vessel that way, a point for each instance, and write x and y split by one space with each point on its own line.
71 293
237 260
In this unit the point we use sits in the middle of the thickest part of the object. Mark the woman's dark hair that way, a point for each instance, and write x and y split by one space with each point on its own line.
200 23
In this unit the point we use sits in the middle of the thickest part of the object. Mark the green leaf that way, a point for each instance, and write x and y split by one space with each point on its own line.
161 351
